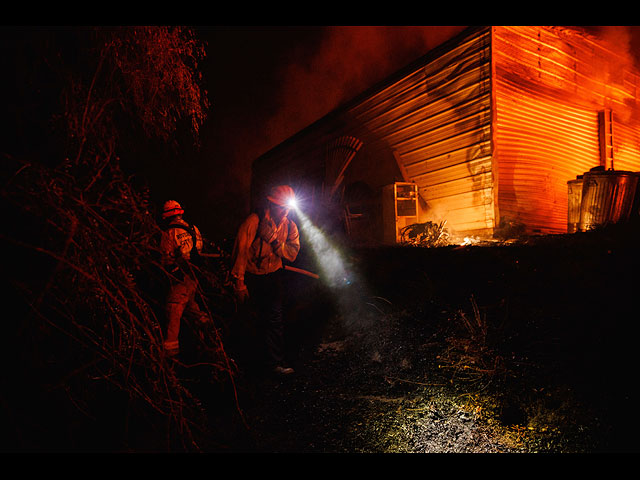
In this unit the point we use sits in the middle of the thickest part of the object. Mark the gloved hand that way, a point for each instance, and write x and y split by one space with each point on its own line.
267 230
241 291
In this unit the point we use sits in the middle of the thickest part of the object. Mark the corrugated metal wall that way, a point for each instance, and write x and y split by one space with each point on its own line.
549 84
437 121
431 121
491 126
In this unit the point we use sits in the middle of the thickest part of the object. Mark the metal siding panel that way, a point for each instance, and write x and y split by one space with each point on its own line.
431 118
445 145
431 78
461 221
473 174
434 117
626 138
548 89
439 125
467 153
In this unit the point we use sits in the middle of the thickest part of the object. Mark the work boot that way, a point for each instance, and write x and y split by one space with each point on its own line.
171 349
283 370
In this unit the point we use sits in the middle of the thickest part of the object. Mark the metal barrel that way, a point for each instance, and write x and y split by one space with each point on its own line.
575 199
607 197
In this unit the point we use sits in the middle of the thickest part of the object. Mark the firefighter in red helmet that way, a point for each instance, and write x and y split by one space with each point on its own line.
180 246
264 240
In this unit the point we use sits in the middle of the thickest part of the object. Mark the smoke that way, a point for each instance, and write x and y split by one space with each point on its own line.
348 288
335 272
620 37
268 83
345 61
624 41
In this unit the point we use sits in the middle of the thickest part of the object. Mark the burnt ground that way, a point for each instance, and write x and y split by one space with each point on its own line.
504 347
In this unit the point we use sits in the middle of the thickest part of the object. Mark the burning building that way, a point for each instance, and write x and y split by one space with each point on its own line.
485 132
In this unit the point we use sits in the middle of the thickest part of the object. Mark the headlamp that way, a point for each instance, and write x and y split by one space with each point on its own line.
292 203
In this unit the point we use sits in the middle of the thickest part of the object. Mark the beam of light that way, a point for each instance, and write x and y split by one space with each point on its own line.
292 203
329 259
350 293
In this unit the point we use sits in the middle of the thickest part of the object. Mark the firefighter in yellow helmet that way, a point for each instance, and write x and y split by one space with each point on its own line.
180 246
264 240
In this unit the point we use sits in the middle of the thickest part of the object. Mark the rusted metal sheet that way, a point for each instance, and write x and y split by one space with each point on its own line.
549 86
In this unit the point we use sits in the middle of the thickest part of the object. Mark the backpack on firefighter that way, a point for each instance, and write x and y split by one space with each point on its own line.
171 210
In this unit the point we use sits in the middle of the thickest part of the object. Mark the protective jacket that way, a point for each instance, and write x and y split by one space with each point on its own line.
259 254
177 244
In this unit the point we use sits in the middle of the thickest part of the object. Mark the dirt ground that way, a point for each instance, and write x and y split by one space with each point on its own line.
507 347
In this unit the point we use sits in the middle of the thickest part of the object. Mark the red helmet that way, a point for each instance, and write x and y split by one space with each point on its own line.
171 208
282 195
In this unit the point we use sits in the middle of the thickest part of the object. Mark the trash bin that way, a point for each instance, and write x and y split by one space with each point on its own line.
575 199
607 197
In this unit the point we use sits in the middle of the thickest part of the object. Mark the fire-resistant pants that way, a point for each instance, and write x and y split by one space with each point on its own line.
181 300
266 296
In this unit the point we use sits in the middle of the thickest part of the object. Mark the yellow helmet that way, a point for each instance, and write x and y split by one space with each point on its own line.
171 208
282 195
